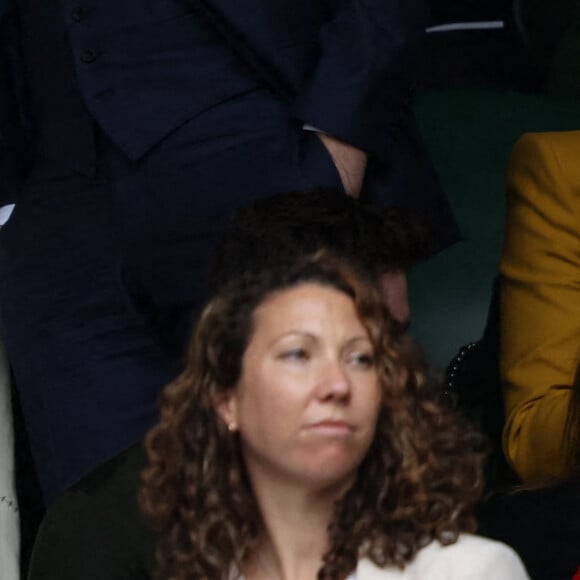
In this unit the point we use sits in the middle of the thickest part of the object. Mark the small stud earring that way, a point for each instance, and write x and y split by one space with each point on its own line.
232 427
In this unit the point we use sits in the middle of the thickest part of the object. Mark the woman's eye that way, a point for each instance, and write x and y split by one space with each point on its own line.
362 359
295 354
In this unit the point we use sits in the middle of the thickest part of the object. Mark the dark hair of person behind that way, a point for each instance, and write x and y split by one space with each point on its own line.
281 228
419 481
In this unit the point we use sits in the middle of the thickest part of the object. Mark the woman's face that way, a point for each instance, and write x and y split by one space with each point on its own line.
307 402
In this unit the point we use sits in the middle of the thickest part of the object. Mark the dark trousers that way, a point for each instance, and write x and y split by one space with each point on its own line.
101 275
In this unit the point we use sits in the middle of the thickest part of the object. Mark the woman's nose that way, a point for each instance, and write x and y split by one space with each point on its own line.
335 382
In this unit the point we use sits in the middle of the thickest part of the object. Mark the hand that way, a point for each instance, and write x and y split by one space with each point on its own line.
350 163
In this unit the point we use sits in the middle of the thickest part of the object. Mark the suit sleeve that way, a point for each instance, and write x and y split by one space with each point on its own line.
540 301
360 88
95 530
9 524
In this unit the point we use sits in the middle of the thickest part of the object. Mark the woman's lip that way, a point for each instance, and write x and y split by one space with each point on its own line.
331 426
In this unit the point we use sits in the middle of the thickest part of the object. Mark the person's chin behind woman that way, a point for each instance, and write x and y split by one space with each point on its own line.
303 442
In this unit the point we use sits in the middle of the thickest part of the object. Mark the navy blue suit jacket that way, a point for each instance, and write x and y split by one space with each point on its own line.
347 64
348 61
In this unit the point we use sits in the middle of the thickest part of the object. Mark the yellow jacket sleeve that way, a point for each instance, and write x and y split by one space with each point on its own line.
540 300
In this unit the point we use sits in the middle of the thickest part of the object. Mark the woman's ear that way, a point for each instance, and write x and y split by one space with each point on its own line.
226 406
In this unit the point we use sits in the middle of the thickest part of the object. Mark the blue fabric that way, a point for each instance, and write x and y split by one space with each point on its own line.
144 69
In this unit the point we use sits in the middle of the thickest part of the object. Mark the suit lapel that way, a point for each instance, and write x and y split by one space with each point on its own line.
251 20
249 34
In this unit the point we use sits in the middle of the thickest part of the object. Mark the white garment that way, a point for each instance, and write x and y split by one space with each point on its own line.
470 558
5 213
9 532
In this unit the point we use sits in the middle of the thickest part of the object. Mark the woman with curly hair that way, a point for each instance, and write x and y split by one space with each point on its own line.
303 441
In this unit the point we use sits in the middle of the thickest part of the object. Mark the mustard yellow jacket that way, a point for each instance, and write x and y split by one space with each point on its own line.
540 300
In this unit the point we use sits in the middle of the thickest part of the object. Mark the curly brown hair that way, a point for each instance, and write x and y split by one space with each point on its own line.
419 481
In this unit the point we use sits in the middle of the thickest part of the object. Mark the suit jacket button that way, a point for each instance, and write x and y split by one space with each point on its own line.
89 55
